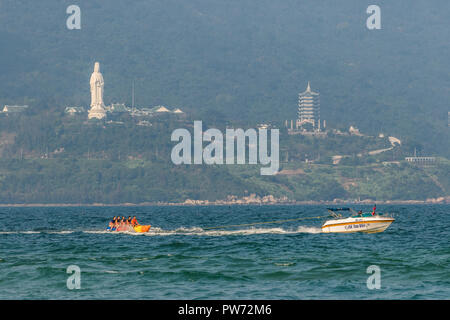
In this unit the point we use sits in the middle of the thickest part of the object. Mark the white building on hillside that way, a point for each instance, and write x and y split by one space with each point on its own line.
14 109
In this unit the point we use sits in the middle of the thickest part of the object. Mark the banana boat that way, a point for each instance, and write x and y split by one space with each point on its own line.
128 228
141 228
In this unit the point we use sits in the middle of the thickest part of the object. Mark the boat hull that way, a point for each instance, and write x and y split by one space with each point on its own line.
128 228
141 229
373 224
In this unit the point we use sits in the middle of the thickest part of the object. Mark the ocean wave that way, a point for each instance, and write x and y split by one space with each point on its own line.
38 232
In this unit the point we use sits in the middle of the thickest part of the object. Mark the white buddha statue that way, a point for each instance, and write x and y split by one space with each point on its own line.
97 106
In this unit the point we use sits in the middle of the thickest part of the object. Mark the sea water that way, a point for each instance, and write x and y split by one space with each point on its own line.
180 258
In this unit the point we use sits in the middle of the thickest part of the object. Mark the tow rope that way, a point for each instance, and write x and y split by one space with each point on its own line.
266 222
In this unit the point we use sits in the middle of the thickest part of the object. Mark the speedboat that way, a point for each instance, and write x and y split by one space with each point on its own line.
359 222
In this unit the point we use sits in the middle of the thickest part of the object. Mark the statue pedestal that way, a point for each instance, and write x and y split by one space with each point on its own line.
97 112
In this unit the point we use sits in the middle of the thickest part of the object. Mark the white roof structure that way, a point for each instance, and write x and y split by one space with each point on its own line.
14 108
161 109
74 110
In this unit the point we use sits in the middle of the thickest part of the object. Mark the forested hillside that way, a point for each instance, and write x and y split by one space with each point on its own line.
58 158
230 64
239 60
138 181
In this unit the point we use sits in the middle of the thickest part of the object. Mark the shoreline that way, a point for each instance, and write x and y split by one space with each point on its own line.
183 204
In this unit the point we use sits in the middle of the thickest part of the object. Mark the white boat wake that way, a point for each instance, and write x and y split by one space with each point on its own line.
192 231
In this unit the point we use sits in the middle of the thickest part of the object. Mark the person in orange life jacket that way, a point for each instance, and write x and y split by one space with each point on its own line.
134 221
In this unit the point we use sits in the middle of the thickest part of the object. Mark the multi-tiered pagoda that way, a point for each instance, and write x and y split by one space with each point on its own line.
309 109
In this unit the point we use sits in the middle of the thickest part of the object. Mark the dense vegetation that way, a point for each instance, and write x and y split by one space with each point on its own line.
136 181
241 61
58 135
67 159
227 63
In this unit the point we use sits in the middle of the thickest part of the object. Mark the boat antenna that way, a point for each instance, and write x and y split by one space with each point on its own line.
132 94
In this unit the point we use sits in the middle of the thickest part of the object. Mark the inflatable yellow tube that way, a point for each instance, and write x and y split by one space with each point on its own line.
140 228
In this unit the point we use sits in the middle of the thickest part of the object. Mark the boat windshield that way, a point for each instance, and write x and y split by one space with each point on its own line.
335 212
362 215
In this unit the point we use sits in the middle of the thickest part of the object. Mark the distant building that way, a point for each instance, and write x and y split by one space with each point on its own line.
308 115
14 109
74 110
160 109
422 161
309 109
263 126
354 131
154 111
118 108
143 111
